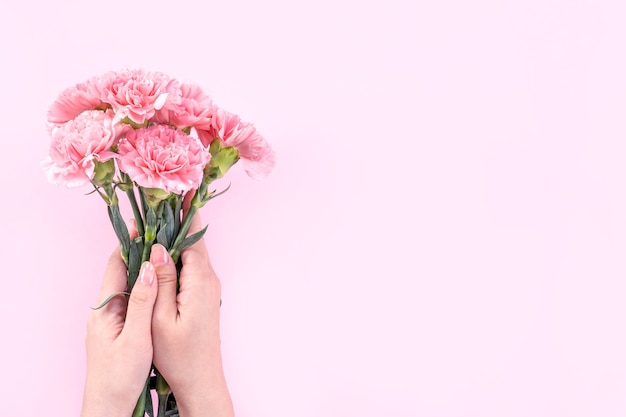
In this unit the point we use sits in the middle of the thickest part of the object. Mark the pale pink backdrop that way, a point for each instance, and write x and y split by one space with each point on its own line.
444 233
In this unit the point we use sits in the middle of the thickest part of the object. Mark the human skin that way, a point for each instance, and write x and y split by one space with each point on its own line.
185 331
119 342
179 333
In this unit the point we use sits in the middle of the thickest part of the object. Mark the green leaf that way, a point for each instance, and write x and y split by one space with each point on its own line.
172 407
139 242
151 217
162 238
133 204
144 203
190 240
140 408
168 226
110 213
150 226
109 298
177 211
162 387
121 231
159 212
149 408
134 262
214 194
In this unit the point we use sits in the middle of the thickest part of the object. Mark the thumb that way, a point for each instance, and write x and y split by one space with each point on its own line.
141 304
166 307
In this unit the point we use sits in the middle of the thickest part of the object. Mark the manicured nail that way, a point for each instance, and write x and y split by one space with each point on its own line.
146 275
159 255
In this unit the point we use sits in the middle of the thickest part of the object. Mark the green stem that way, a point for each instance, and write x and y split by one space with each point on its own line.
148 241
163 391
140 408
150 233
147 247
133 203
162 405
144 204
120 229
184 228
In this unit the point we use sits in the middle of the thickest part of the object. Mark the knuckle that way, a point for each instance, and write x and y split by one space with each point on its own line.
159 319
166 277
139 298
159 324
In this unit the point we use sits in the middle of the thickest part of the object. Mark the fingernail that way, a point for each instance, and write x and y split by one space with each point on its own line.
159 255
146 275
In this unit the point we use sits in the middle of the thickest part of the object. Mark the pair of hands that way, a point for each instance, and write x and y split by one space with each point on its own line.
179 333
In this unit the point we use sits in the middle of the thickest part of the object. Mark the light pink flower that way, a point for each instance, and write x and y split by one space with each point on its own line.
77 143
162 157
135 94
257 156
187 106
73 101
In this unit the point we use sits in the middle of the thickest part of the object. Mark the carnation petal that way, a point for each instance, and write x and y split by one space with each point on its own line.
162 157
76 143
260 169
160 101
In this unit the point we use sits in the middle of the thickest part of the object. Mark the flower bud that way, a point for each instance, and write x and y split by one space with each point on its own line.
103 172
154 196
222 159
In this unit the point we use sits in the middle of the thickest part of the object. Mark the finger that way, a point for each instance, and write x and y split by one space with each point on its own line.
115 277
138 322
165 270
199 248
199 285
187 201
132 229
196 223
196 257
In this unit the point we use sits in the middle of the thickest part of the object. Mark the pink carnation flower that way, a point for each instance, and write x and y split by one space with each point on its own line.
73 101
77 144
257 156
162 157
135 94
187 106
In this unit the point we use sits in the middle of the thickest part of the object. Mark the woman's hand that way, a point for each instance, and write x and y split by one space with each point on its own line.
185 331
119 343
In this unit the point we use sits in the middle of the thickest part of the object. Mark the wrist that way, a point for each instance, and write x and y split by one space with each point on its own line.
102 409
213 402
202 410
98 402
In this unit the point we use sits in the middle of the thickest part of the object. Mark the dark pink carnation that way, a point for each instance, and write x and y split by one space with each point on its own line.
187 106
77 144
162 157
73 101
135 94
257 156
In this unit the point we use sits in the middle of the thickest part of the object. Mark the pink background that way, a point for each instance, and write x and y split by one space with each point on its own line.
444 233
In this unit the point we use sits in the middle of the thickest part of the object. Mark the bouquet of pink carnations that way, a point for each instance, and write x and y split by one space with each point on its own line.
155 139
